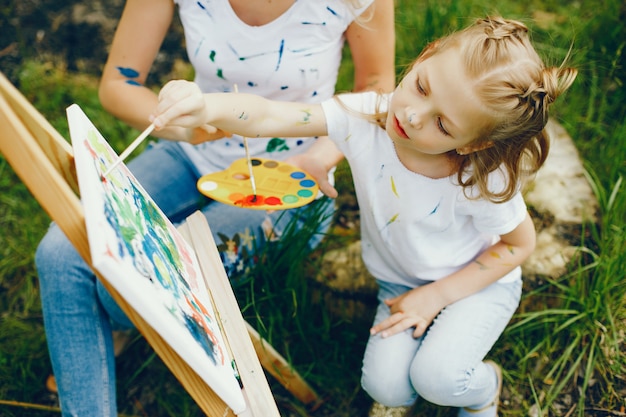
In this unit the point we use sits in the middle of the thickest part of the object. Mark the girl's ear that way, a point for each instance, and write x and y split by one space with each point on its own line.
474 148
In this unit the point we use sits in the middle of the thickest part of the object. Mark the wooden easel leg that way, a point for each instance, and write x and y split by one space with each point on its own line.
280 369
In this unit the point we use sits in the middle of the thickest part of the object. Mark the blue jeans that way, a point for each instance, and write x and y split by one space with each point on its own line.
445 366
79 314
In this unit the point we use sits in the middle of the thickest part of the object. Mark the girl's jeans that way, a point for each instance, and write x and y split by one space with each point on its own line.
79 314
445 366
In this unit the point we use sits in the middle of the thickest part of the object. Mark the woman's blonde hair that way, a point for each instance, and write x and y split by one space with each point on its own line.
516 90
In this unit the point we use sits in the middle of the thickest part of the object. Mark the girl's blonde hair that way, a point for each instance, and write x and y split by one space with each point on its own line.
516 90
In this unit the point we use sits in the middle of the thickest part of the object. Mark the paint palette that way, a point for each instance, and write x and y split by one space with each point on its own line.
279 185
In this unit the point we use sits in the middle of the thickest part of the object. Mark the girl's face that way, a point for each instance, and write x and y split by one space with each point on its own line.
434 110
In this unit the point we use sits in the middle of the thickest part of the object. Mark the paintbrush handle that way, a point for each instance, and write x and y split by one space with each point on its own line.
130 148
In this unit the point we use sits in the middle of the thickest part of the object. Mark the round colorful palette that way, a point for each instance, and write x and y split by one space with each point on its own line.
279 185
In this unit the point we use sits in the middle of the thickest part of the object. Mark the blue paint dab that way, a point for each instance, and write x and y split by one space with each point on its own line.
332 11
435 209
299 142
128 72
132 82
252 84
314 93
284 87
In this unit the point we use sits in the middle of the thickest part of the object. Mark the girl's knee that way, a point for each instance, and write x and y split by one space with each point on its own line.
391 393
439 383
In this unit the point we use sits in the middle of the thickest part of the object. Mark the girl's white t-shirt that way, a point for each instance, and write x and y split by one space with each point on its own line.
293 58
412 227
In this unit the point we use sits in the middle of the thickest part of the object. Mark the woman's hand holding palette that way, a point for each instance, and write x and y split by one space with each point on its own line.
279 185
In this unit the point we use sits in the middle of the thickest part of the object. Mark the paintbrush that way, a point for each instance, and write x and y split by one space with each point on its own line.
245 145
142 136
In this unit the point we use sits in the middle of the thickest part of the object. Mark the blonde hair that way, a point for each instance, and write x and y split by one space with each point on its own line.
516 89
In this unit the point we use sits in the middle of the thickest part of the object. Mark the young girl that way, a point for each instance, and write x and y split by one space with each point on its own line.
437 165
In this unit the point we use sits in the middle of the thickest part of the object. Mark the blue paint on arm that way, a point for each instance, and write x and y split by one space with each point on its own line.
128 72
132 82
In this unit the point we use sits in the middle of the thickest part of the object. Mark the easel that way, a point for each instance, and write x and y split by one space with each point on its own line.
43 160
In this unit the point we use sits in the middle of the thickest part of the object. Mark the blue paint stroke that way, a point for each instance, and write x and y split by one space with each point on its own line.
280 53
204 8
195 53
332 11
128 72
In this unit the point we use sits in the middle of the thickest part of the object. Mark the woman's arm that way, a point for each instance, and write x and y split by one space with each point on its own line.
137 41
138 38
182 104
419 306
372 41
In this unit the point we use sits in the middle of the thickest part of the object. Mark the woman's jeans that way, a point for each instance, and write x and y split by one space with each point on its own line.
79 314
445 366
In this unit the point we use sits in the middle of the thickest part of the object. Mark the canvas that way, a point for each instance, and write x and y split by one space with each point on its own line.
142 255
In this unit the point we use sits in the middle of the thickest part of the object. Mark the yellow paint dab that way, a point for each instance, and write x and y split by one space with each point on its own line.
393 218
393 187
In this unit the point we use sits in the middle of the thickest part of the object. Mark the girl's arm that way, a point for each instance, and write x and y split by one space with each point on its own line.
182 104
419 306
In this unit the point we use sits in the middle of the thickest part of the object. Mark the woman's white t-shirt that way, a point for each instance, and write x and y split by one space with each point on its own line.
296 57
412 226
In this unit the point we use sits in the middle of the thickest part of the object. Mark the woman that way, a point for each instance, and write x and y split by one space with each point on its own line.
283 49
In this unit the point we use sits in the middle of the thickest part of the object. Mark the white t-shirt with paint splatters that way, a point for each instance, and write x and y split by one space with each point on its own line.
413 226
293 58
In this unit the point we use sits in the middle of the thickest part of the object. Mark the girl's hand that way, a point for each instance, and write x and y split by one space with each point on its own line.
181 103
205 133
415 308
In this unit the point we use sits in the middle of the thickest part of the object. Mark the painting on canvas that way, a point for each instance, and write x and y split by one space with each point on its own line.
141 254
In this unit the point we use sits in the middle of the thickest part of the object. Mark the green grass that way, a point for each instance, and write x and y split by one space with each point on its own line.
564 352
